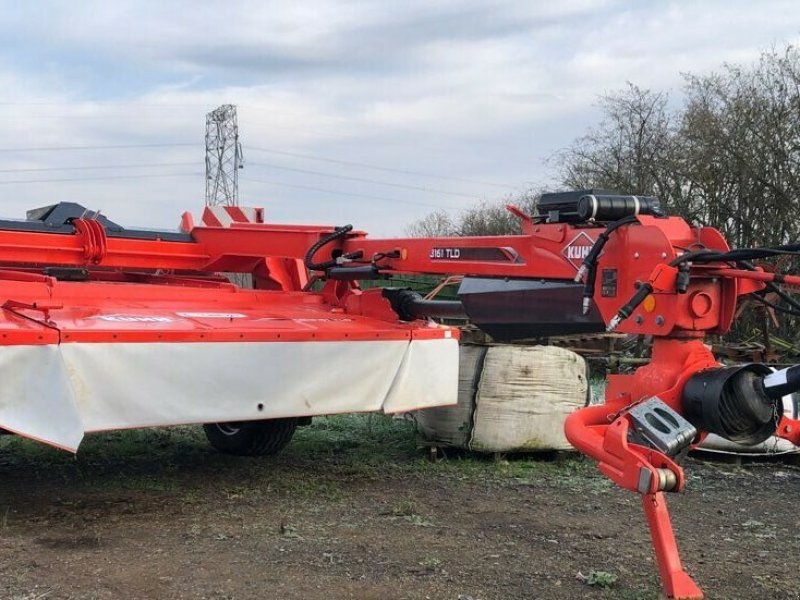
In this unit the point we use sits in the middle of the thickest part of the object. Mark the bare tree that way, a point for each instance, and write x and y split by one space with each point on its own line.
728 158
740 135
487 218
436 224
630 150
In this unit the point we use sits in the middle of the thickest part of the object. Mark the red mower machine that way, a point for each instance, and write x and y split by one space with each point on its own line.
106 328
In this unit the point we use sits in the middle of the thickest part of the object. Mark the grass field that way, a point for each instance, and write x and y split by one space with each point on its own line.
353 509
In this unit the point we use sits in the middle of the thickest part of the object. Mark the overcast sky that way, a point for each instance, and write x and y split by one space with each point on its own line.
479 94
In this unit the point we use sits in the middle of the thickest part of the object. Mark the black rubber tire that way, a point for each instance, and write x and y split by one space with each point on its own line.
251 438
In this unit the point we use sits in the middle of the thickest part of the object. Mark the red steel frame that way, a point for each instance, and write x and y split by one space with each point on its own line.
181 275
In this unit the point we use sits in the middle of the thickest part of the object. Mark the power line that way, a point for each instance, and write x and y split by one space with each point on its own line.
362 180
350 195
378 168
184 164
268 150
93 104
105 115
257 164
109 177
110 147
92 167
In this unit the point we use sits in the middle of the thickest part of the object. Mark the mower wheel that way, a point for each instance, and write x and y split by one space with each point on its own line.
251 438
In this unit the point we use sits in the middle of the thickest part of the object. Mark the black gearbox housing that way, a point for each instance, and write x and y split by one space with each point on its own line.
732 403
515 309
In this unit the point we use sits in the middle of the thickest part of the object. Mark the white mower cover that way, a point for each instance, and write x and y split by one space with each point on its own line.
56 393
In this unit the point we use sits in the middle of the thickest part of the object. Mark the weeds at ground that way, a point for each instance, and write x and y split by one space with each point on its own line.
346 492
419 521
402 508
601 579
431 563
365 446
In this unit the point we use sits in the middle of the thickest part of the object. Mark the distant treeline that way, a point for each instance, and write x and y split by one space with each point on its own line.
727 155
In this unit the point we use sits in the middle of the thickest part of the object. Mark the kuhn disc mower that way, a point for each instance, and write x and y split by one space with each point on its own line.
104 328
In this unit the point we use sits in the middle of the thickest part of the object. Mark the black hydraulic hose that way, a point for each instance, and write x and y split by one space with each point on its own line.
688 257
738 254
339 232
589 266
772 287
588 287
780 309
445 309
626 311
410 305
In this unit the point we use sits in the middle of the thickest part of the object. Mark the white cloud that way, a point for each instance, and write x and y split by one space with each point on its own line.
465 89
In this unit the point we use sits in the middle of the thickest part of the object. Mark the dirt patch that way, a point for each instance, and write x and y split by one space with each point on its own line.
352 510
72 542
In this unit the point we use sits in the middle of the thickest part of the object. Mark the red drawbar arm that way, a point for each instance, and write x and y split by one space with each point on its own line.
602 432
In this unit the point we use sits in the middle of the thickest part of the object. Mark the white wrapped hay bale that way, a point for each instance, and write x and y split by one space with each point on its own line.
452 425
511 399
524 395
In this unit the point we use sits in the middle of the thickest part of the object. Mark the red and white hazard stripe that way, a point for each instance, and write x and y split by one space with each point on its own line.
225 216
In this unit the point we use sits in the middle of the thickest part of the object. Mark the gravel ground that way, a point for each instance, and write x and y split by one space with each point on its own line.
351 509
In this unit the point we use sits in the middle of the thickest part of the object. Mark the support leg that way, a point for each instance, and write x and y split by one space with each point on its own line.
677 583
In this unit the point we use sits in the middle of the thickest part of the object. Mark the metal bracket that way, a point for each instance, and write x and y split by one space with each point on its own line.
656 425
